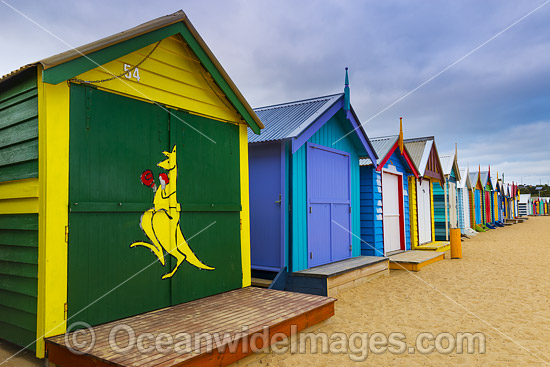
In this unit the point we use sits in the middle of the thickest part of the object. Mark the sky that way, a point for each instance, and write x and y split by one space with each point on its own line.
475 73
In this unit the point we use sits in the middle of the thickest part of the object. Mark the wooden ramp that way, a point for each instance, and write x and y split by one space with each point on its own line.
414 260
439 246
327 280
231 323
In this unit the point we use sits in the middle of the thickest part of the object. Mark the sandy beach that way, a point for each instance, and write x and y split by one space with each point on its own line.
501 288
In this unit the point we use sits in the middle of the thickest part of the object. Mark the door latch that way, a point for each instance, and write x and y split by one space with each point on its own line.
278 201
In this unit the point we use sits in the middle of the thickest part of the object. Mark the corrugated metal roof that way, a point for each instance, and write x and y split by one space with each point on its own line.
288 120
473 178
86 49
465 178
484 175
382 146
16 72
103 43
416 148
446 163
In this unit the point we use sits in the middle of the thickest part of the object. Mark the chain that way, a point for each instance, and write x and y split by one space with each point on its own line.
120 75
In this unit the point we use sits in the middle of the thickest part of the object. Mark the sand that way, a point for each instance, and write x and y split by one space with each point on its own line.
501 288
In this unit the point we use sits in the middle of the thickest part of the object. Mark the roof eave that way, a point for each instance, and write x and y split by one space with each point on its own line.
209 61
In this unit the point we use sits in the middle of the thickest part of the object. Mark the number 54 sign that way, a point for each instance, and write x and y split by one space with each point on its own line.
131 73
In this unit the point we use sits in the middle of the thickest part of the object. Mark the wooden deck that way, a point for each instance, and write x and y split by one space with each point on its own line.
329 279
440 246
414 260
234 321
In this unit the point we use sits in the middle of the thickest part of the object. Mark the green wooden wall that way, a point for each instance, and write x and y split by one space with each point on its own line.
113 140
19 232
18 277
19 127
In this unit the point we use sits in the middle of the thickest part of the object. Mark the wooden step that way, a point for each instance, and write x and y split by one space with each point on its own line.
329 279
414 260
439 246
261 283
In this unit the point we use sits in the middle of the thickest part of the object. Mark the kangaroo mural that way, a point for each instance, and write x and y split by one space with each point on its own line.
161 224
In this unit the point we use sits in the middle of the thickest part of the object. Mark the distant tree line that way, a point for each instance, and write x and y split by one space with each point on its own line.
530 189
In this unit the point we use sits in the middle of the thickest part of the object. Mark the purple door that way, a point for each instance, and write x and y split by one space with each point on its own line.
266 203
328 197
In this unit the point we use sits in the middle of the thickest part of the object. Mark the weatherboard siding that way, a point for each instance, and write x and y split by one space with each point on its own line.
325 136
19 128
372 229
460 207
372 225
18 278
439 211
442 207
19 208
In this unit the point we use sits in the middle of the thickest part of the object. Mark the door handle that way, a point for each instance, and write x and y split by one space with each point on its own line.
278 201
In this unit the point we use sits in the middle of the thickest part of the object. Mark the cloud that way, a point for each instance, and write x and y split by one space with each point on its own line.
494 103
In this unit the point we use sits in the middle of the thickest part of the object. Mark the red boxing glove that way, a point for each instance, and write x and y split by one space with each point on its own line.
164 177
147 178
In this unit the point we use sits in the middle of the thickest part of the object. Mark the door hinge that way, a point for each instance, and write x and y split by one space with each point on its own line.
310 209
350 247
241 224
66 234
350 209
311 255
65 309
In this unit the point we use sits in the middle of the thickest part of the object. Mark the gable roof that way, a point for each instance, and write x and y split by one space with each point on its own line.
71 63
288 120
416 149
474 178
495 183
298 120
465 179
448 162
384 147
425 157
485 179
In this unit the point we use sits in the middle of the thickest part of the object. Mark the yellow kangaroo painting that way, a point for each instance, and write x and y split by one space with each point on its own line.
161 224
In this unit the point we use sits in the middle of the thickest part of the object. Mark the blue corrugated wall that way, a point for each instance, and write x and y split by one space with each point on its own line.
372 227
372 232
333 130
460 208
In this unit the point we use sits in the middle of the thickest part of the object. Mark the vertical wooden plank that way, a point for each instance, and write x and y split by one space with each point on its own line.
413 214
432 208
245 204
53 133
